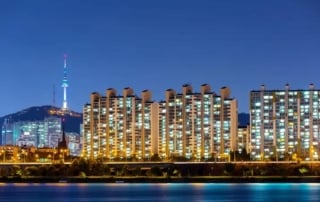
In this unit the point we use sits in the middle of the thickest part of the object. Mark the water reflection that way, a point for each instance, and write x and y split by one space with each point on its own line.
273 192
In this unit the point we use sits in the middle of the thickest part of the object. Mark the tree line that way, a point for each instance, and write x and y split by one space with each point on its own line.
82 168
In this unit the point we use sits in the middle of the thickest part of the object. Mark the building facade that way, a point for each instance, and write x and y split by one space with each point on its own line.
285 123
44 133
189 125
243 138
7 137
118 127
197 125
73 143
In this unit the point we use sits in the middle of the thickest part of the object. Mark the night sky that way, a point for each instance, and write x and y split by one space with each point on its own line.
155 45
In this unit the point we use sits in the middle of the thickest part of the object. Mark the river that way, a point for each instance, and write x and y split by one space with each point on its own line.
96 192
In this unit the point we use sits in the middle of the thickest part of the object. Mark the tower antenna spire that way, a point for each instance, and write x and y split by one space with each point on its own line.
65 83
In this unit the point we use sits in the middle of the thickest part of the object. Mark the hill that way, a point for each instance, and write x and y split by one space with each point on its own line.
38 113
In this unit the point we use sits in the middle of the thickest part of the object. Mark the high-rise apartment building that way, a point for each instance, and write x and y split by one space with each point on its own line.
118 127
197 125
285 123
190 125
243 138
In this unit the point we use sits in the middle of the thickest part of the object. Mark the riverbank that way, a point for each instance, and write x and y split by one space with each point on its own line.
207 179
85 171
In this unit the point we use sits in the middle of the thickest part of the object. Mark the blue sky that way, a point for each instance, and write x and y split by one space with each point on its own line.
154 45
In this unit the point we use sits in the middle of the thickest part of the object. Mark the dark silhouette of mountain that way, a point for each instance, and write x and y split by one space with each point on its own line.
243 119
38 113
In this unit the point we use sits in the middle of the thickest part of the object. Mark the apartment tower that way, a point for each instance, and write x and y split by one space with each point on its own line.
118 126
285 123
197 125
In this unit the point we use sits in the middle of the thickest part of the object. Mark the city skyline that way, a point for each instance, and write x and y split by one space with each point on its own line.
141 44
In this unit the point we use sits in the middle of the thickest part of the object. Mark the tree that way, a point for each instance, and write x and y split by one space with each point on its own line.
75 167
156 171
84 166
16 170
137 171
52 171
43 170
98 168
155 157
244 155
303 170
32 171
229 168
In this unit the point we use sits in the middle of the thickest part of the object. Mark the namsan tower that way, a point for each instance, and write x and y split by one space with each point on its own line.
64 110
65 84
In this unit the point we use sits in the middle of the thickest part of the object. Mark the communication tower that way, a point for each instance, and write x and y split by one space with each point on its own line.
65 84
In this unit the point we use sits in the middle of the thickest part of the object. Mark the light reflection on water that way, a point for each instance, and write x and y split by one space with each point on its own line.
224 192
